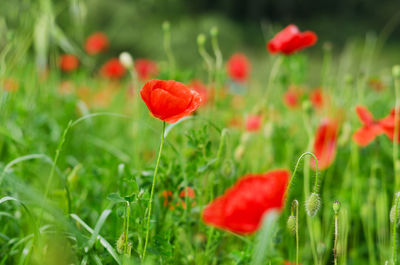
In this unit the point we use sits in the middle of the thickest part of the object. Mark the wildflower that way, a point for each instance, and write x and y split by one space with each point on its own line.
291 40
369 130
146 69
243 206
388 125
10 85
169 100
238 67
313 204
325 144
113 69
253 123
68 63
317 98
291 97
96 43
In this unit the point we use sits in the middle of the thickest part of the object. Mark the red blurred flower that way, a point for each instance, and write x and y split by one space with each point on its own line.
10 85
238 67
200 88
169 100
146 69
290 263
376 84
291 97
113 69
370 129
68 62
188 192
253 123
242 207
236 122
317 98
325 144
291 40
388 125
96 43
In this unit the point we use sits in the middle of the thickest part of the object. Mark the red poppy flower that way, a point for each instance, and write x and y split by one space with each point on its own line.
243 206
169 100
146 69
291 40
388 125
370 129
68 62
10 85
200 88
317 98
291 97
113 69
238 67
253 123
325 144
188 192
96 43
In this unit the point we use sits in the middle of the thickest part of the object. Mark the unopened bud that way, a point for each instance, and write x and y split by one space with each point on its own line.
336 207
126 60
201 39
313 204
121 243
396 71
291 224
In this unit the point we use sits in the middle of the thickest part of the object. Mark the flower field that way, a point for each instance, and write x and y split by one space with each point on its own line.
287 153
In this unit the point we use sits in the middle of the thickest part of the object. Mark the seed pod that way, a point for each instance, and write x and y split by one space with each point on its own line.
291 224
312 204
336 207
121 243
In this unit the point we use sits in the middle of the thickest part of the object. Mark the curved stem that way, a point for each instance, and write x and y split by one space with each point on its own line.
152 192
315 190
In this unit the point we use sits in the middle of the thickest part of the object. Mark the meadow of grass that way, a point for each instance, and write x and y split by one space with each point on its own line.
78 151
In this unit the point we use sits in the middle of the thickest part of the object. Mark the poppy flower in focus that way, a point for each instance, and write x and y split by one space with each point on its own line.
238 67
169 100
10 85
146 69
291 97
253 123
291 40
68 63
370 129
113 69
325 144
96 43
241 208
200 88
317 98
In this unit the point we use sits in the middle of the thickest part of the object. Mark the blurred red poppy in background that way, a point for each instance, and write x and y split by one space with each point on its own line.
253 123
291 97
388 125
238 67
96 43
68 62
200 88
146 69
113 69
10 85
291 40
370 128
241 208
317 98
169 100
325 144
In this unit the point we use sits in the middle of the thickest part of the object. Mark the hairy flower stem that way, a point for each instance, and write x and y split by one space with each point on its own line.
396 162
394 232
336 207
126 221
152 191
295 210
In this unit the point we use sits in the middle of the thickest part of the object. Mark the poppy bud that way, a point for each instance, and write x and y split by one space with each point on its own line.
201 39
214 31
166 26
393 217
336 207
312 204
396 71
291 224
126 60
128 249
121 243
